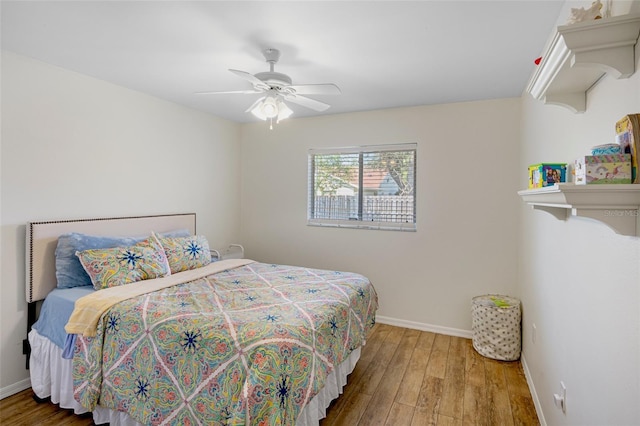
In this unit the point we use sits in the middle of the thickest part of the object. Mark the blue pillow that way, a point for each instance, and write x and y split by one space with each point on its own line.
69 270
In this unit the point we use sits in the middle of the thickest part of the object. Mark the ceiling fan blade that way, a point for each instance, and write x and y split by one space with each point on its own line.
244 92
316 89
250 78
307 102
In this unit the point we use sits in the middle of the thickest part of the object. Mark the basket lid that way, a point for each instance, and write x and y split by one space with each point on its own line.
496 300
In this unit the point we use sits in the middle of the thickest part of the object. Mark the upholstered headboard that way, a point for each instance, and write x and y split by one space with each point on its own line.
42 238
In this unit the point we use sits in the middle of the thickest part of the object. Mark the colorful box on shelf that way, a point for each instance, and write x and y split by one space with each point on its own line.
628 137
606 149
603 169
546 174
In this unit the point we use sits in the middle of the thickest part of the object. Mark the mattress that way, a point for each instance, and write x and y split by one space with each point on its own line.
55 312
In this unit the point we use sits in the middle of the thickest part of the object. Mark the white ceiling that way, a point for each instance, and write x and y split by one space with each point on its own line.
382 54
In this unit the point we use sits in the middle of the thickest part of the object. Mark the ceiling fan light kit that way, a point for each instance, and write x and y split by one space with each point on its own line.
270 107
283 110
278 88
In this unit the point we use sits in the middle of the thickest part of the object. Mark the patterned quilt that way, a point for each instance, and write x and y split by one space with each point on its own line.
246 346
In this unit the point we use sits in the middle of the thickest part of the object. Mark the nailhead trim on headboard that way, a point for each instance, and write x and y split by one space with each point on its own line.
30 241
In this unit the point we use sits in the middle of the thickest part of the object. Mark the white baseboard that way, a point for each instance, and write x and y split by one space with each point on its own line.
424 327
15 388
532 389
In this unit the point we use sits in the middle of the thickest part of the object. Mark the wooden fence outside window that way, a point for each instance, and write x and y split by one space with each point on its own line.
376 208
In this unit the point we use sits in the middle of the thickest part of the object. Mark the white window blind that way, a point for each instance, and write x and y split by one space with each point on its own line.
363 187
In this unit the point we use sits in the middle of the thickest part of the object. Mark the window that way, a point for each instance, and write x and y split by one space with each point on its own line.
363 187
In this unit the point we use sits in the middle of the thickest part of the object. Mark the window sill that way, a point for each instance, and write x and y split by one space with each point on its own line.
354 224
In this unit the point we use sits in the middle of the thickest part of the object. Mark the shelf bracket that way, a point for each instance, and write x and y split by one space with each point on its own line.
622 221
560 213
618 62
576 102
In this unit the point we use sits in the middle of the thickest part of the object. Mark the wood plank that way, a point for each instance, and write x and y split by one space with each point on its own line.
374 341
413 377
497 394
522 407
60 417
16 404
429 398
476 411
453 391
396 333
379 364
28 410
437 365
516 381
524 411
380 405
423 417
474 366
409 390
425 341
400 415
448 421
359 373
22 409
352 412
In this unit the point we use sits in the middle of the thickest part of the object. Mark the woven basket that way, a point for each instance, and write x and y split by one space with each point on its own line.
496 326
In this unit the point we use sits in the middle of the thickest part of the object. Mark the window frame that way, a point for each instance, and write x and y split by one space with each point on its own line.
359 223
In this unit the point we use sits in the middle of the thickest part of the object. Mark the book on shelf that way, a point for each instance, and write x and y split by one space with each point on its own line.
628 136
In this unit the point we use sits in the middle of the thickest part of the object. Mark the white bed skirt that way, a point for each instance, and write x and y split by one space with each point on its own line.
51 377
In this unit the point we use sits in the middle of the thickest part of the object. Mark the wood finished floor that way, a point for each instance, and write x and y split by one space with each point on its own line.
404 377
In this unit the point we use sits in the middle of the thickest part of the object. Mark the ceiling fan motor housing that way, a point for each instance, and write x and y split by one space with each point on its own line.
273 78
271 55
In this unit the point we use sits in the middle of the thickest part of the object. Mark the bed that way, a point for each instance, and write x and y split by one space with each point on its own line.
223 342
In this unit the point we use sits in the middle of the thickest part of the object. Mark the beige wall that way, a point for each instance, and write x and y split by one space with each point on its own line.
77 147
580 281
467 207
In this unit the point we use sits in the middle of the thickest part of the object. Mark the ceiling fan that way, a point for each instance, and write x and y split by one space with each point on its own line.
277 88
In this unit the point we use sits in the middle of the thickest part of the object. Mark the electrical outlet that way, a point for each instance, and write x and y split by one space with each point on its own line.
534 332
560 399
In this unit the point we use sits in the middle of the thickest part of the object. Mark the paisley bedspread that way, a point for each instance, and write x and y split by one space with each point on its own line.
250 345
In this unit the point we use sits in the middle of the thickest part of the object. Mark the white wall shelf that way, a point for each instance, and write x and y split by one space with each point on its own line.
617 206
580 54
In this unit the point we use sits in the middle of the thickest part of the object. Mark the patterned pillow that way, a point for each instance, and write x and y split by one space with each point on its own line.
116 266
186 253
69 270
